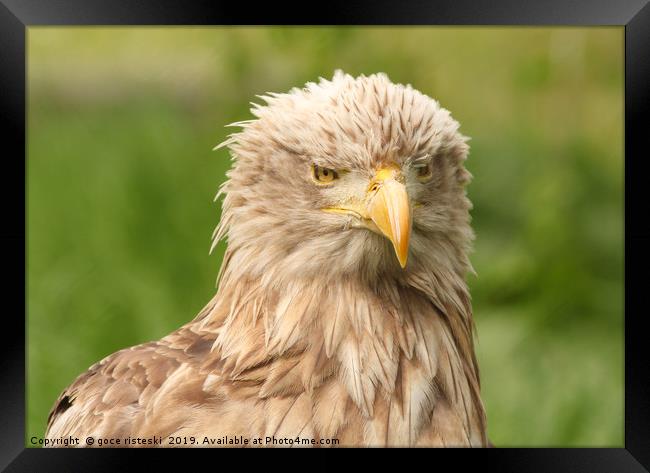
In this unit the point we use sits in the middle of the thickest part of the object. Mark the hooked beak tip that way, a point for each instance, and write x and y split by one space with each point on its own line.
390 210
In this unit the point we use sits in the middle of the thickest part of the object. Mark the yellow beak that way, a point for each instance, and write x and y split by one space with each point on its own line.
390 211
385 210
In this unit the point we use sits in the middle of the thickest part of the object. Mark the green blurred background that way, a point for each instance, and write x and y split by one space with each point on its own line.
121 177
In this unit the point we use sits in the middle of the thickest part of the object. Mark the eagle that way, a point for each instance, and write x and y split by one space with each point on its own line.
342 314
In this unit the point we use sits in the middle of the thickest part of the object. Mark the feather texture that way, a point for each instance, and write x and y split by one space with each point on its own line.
315 330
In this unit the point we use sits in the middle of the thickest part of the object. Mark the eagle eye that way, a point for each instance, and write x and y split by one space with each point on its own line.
425 172
324 175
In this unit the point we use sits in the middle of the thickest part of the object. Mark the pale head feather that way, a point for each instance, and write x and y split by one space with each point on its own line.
271 214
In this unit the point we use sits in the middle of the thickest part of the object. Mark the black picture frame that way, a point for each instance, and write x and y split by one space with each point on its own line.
634 15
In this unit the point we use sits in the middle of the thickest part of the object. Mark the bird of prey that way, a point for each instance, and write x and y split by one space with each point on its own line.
342 310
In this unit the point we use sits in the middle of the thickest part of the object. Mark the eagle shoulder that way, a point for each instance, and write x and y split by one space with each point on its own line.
106 398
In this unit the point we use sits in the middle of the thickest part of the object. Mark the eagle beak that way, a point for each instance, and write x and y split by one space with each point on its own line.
385 210
389 208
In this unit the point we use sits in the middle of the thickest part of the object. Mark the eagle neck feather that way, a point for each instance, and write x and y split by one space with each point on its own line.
395 345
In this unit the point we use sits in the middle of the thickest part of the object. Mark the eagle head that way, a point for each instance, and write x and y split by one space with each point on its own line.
349 175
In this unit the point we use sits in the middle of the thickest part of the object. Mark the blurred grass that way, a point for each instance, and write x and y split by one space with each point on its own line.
121 178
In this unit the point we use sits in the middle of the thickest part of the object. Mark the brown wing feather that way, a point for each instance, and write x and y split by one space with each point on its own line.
101 399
